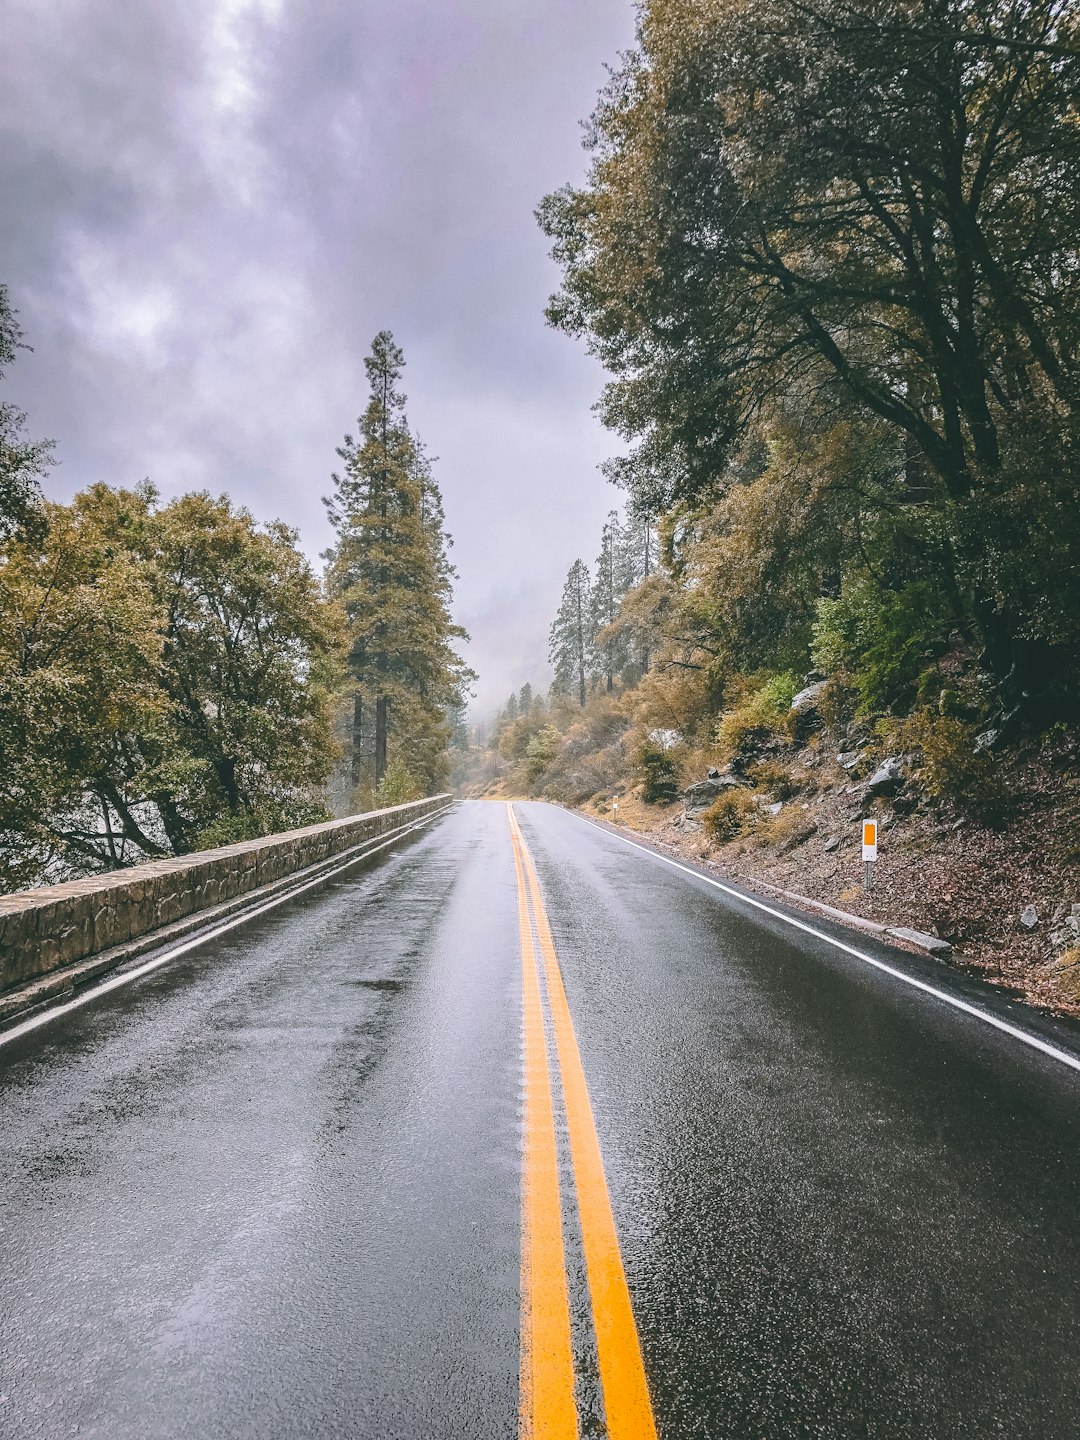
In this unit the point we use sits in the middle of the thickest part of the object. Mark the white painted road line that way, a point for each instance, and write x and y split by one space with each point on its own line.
52 1012
1023 1036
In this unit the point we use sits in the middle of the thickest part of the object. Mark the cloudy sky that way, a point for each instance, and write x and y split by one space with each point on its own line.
209 208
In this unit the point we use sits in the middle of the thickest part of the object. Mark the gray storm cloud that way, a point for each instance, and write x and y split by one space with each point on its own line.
209 209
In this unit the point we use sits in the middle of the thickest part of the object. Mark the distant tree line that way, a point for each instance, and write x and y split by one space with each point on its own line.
592 640
175 675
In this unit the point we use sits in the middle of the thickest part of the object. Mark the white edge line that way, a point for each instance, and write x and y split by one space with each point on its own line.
53 1012
1022 1035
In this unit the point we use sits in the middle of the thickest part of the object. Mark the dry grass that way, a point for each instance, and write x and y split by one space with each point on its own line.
786 831
732 813
1065 974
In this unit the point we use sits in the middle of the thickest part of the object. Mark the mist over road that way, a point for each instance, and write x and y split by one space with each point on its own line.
346 1171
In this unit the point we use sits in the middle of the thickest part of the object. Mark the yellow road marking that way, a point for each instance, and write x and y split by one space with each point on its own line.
627 1405
547 1409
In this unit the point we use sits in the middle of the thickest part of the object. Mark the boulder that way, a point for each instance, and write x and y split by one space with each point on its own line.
1066 931
888 777
774 808
833 843
805 717
810 696
848 759
1029 917
701 795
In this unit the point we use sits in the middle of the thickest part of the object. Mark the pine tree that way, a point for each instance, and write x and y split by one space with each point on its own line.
637 548
390 570
607 592
636 561
570 638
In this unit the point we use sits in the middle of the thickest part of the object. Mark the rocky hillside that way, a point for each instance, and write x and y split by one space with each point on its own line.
979 845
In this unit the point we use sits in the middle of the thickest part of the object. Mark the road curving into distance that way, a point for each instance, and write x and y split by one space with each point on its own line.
520 1129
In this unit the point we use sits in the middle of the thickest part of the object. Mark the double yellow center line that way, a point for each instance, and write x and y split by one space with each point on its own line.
548 1408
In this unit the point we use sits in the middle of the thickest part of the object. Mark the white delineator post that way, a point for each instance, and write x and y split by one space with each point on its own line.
869 850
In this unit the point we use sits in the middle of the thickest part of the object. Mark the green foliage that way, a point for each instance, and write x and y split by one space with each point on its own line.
398 786
761 713
23 463
882 640
165 679
234 829
540 751
750 245
659 773
81 640
732 813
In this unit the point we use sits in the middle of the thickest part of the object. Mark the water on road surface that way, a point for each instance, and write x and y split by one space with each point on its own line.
304 1181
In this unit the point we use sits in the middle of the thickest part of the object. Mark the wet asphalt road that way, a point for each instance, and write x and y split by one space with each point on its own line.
272 1189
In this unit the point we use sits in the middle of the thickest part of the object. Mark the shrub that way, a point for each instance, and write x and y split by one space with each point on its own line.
731 813
658 773
772 777
758 716
836 704
270 820
882 639
952 768
397 786
540 752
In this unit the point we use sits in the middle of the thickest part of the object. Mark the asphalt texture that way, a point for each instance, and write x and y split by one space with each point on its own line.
272 1189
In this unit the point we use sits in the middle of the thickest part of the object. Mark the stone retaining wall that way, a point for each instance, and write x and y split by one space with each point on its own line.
42 930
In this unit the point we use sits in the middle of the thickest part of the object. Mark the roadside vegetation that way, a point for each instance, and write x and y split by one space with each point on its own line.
175 675
841 321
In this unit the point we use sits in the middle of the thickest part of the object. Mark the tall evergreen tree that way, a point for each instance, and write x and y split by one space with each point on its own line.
636 551
636 560
607 591
390 569
570 638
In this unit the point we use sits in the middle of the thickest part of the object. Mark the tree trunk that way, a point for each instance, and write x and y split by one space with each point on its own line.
381 707
175 827
357 738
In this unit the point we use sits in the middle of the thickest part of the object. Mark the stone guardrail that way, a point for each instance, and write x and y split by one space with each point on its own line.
55 926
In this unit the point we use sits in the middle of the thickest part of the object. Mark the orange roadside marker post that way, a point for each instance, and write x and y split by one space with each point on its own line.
869 851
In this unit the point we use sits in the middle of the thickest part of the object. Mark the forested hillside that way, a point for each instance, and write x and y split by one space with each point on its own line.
175 675
828 255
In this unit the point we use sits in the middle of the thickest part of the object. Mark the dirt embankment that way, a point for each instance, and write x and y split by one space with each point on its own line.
1006 898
